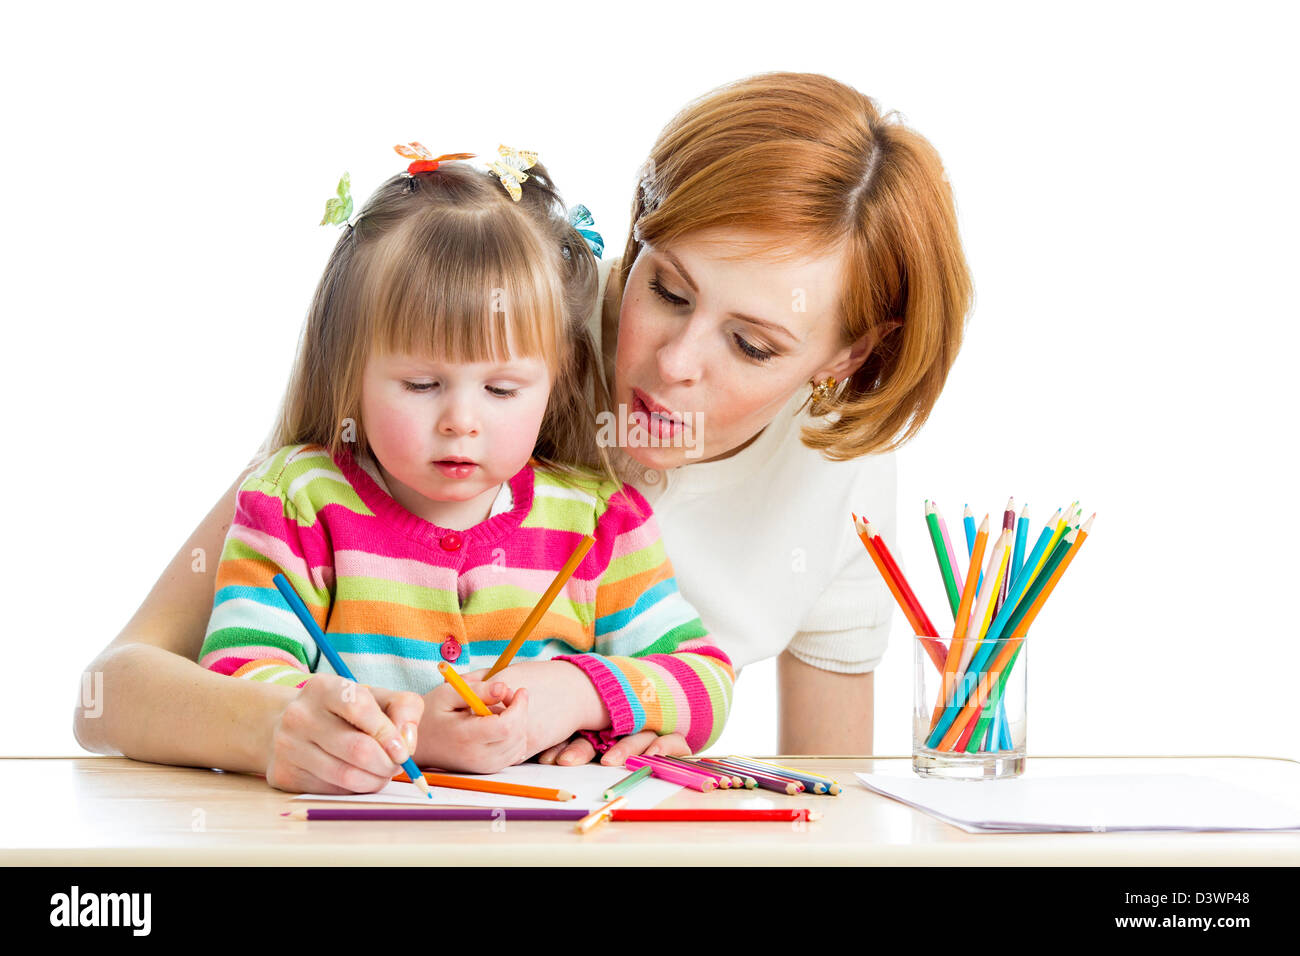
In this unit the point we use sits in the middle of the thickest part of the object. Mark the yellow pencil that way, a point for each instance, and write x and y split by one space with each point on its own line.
455 680
597 817
543 603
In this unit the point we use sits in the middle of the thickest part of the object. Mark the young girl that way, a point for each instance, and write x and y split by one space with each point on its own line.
434 465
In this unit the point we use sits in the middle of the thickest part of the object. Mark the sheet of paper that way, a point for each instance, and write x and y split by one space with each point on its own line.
585 781
1090 803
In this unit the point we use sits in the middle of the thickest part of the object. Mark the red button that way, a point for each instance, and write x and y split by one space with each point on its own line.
451 649
451 542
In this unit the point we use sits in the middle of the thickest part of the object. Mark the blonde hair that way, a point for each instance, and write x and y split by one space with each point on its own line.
813 166
444 263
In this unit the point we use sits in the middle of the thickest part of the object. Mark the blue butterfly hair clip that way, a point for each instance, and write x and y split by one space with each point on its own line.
580 219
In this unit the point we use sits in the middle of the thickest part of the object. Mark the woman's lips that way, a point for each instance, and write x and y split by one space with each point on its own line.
456 469
656 422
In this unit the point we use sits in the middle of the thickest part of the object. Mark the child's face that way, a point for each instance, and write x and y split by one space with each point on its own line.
419 412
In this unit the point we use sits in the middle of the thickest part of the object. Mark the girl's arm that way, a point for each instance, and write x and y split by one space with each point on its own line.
653 665
158 704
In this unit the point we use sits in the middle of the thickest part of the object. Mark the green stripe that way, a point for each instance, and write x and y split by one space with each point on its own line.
240 637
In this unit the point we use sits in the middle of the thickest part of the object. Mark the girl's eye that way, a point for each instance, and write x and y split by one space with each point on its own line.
418 386
429 386
503 392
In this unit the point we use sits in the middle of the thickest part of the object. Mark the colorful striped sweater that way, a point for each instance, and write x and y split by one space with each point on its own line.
398 594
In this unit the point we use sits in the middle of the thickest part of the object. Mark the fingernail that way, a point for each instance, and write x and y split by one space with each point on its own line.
397 750
408 734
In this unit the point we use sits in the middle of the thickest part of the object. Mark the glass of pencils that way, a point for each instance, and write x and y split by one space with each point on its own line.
969 688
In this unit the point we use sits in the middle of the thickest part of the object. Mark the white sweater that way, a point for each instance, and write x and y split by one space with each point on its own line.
763 545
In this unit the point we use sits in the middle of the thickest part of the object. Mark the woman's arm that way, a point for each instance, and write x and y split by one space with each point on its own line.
158 704
821 712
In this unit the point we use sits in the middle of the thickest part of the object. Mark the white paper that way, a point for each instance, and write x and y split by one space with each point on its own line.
585 781
1090 803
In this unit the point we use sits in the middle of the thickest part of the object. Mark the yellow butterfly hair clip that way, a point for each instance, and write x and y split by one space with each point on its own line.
510 168
424 161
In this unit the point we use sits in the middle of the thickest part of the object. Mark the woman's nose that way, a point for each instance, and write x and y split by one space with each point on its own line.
681 356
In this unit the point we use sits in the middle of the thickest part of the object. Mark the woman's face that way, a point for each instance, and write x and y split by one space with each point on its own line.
720 343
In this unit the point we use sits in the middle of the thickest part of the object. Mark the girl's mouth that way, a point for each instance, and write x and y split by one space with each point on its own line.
656 423
456 469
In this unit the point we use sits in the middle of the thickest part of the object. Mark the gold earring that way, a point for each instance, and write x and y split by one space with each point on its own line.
822 392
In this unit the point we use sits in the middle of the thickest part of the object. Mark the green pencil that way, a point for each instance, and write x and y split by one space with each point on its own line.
941 552
626 784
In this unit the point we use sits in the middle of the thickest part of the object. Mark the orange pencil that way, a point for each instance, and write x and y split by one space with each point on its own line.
976 703
455 680
933 648
543 603
963 621
453 782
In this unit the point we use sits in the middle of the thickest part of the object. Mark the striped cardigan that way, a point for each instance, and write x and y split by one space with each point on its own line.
398 594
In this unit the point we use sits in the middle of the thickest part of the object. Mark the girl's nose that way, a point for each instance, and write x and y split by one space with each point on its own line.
458 418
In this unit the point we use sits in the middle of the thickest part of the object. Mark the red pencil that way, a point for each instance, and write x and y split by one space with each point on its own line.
921 625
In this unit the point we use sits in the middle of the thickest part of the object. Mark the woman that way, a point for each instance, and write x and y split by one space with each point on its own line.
784 235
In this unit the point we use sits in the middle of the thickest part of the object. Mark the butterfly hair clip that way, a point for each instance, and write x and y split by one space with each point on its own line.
338 208
580 219
510 168
423 161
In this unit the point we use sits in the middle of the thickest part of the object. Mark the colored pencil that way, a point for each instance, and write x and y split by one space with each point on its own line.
909 595
968 522
1008 524
626 784
725 780
622 814
834 785
721 781
779 784
300 610
597 817
811 782
947 546
454 782
1022 535
959 628
983 612
684 778
932 647
941 555
435 813
456 681
543 604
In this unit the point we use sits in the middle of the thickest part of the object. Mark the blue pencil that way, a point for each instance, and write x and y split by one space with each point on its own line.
1022 535
309 622
968 524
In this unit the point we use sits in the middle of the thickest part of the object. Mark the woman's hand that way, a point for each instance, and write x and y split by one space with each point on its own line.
459 739
338 736
647 742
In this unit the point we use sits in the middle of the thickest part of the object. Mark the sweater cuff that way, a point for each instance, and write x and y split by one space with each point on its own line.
609 689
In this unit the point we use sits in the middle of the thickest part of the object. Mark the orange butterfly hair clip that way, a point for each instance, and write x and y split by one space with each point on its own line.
424 161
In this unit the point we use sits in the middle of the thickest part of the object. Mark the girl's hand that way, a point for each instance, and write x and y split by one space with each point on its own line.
455 738
562 700
647 742
338 736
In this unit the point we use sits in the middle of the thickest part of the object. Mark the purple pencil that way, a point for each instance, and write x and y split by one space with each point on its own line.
767 782
433 813
1008 524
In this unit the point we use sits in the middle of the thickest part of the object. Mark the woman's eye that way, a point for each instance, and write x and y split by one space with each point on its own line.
664 294
752 351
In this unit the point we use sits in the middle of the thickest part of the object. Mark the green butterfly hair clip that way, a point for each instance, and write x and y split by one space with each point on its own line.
338 209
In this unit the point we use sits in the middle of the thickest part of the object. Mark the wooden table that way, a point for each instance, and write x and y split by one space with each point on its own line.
114 811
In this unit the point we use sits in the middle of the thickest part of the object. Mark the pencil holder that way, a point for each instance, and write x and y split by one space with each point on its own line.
968 708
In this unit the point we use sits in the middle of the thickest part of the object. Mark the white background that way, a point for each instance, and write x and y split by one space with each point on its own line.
1125 180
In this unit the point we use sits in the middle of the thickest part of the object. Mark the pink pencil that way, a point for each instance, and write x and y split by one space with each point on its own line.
672 774
952 556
